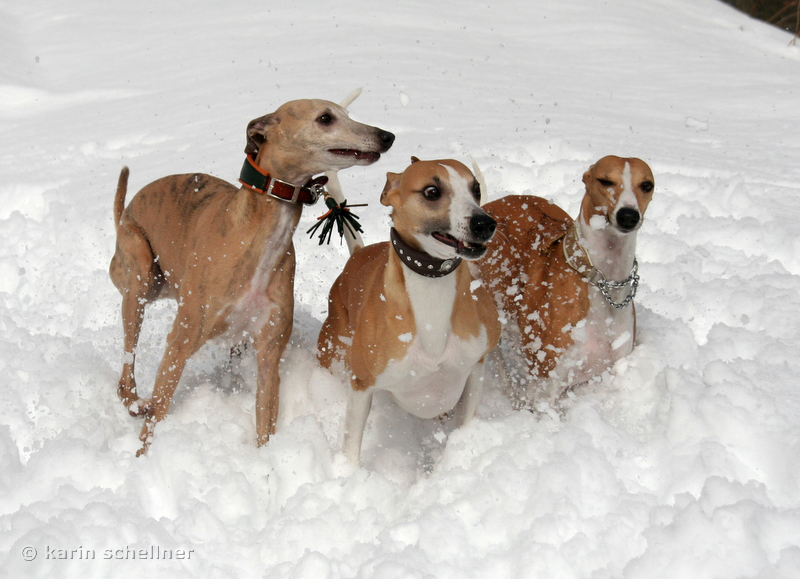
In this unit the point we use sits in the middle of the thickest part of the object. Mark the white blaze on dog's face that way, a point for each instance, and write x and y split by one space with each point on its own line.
436 208
314 136
618 193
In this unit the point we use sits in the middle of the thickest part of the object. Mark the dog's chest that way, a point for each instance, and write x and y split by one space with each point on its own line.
606 333
603 337
253 307
610 328
430 378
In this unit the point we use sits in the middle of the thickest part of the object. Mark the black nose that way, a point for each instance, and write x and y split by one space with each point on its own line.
482 226
386 138
627 218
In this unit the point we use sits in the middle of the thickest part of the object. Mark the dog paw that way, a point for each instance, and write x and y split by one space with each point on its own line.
146 435
140 408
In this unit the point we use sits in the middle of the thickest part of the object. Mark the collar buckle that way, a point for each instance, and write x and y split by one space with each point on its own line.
317 190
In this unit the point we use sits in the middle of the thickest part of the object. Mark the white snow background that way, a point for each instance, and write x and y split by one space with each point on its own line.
684 461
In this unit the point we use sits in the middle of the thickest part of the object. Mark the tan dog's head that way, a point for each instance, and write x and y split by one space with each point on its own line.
436 208
311 137
618 192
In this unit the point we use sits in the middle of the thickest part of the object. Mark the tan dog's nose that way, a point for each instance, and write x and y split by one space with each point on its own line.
627 218
482 226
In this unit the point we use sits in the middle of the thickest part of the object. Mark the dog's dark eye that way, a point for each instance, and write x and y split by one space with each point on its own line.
647 186
476 191
325 119
431 193
606 182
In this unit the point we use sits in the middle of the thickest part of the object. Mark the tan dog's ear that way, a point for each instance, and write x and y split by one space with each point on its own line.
587 176
392 183
257 132
414 159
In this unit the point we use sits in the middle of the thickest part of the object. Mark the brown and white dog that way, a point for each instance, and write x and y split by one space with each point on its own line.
225 253
567 288
407 317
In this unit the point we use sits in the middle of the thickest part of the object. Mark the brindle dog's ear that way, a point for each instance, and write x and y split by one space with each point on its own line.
392 182
414 159
257 132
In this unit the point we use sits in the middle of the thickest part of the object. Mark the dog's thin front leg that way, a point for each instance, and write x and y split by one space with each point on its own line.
359 403
270 346
179 349
468 403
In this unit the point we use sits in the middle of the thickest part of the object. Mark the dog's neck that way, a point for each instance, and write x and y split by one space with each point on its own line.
420 262
283 167
610 251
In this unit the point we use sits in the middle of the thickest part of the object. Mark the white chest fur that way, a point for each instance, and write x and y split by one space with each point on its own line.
605 336
430 379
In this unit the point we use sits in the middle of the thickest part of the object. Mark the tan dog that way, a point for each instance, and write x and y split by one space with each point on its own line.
567 288
226 253
405 316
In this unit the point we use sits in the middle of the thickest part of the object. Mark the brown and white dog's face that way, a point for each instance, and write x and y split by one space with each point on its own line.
618 191
317 134
436 207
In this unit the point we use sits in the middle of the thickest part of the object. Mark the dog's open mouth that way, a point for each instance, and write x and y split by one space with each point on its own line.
463 248
357 155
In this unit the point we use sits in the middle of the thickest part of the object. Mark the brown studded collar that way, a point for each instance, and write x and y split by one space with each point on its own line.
420 262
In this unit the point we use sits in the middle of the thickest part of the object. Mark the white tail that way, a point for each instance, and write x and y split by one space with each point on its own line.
351 97
353 239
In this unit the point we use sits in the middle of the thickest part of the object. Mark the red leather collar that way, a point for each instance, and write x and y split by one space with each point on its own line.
256 179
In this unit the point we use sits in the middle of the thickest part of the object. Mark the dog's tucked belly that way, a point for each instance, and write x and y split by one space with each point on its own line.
428 386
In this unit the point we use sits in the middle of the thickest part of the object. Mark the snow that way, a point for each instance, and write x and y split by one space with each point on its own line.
683 461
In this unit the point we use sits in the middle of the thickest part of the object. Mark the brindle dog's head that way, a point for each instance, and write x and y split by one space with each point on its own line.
312 136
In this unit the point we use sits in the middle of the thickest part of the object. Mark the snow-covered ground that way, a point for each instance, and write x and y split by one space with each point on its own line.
683 462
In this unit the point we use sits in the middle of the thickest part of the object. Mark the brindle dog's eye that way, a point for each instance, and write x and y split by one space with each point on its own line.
431 193
476 190
646 186
325 119
606 182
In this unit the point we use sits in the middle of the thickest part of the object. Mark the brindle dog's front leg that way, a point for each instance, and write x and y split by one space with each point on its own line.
270 344
182 342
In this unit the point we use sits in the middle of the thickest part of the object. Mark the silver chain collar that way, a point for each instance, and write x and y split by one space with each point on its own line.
600 282
596 278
